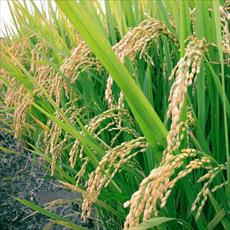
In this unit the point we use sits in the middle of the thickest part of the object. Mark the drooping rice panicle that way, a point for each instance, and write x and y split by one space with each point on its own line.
80 60
184 72
20 113
112 115
107 168
137 40
156 188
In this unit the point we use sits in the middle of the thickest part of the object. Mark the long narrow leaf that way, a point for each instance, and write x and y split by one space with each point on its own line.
149 122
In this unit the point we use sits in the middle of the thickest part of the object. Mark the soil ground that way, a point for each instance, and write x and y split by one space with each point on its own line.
25 177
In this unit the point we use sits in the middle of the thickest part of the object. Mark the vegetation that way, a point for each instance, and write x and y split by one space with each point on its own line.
129 105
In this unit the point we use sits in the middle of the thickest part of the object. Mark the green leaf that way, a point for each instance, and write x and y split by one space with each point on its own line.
156 221
216 220
147 118
225 222
153 222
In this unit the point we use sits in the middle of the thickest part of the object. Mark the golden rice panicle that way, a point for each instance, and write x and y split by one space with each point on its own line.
9 96
16 94
109 92
72 153
11 93
81 172
19 51
41 71
57 149
107 168
21 101
184 72
155 189
151 189
202 196
13 98
55 133
116 115
21 108
136 40
45 76
2 73
57 85
47 133
75 152
93 128
53 139
212 171
225 17
80 60
191 166
139 38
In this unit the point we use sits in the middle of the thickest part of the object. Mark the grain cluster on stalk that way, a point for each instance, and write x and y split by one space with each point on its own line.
137 40
95 127
202 196
111 116
54 142
81 59
19 51
184 72
225 17
21 100
40 49
54 150
108 166
155 189
16 95
20 113
52 139
41 71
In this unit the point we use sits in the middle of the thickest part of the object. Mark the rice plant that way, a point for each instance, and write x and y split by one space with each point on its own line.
129 102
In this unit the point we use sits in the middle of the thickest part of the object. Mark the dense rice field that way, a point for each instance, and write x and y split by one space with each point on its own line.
128 102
